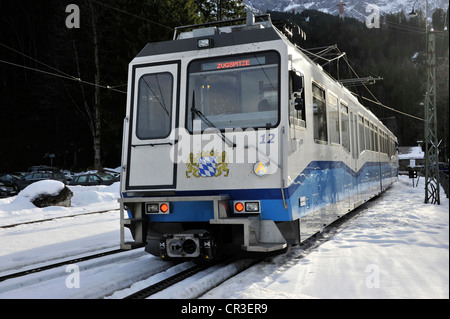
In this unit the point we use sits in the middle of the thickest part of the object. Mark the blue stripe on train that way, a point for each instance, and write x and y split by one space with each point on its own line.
321 183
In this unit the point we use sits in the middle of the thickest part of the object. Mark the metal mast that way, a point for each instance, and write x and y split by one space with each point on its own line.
431 139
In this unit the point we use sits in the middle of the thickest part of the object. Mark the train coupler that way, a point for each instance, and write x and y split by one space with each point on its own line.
187 245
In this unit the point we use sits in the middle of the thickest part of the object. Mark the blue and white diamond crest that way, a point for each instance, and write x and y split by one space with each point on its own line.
207 166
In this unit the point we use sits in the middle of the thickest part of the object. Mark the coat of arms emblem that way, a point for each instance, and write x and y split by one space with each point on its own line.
207 164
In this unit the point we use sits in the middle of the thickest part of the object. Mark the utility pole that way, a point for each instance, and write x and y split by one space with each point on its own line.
431 139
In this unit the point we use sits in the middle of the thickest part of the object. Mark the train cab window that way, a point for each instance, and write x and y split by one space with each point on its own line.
319 114
333 118
345 127
238 91
297 115
154 110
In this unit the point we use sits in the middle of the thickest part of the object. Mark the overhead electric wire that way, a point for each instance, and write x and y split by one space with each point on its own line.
31 58
62 76
388 107
403 27
376 101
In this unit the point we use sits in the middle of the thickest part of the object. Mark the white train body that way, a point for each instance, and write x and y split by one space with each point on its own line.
234 139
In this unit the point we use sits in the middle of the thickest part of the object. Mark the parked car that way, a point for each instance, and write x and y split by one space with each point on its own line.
8 189
36 176
92 179
9 177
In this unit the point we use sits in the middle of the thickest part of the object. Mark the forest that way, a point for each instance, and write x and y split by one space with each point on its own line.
63 90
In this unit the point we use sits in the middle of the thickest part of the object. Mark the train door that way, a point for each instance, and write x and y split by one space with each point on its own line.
153 117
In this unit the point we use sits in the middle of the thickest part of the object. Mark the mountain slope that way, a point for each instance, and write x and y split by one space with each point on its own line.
353 8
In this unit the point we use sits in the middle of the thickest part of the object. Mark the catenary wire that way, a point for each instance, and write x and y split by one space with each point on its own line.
63 76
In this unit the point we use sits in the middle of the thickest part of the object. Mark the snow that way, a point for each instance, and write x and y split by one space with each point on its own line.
19 209
414 152
398 247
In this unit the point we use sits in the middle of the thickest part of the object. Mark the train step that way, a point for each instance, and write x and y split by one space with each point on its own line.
265 247
259 235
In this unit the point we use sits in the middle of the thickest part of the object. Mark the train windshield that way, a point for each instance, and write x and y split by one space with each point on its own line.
238 91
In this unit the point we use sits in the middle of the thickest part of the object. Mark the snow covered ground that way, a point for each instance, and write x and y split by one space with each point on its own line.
397 248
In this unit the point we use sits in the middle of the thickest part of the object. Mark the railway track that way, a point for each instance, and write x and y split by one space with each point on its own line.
59 264
303 250
172 280
55 218
210 275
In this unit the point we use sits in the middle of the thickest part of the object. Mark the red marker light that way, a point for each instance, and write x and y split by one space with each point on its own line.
164 208
239 207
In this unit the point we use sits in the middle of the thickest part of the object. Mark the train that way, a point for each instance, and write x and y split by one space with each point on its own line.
235 142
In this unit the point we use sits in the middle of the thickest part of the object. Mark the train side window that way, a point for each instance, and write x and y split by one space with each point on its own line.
333 118
372 137
377 148
319 114
367 134
385 143
297 114
345 127
361 134
390 147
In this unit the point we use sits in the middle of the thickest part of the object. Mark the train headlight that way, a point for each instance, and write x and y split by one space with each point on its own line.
264 168
260 168
152 208
252 207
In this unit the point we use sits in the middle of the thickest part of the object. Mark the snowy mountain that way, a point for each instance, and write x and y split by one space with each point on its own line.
353 8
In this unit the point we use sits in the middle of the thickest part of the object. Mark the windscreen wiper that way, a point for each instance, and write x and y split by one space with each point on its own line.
208 122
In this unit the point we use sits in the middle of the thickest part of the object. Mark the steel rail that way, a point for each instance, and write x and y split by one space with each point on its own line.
57 217
62 263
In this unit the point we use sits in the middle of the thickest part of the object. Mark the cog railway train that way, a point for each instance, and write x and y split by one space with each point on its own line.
235 141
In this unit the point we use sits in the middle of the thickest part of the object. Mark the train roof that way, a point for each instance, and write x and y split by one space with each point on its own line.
222 34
